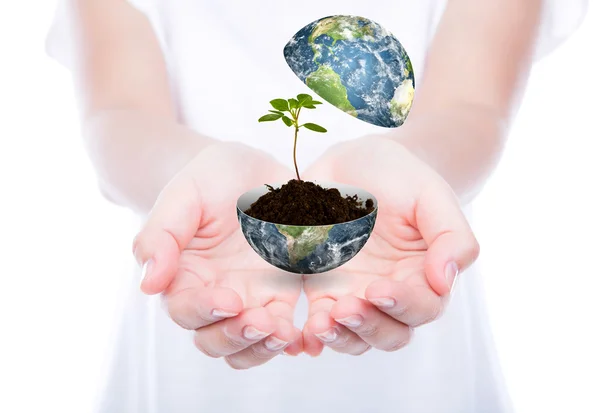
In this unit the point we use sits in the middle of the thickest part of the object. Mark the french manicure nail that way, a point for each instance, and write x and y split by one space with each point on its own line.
383 302
352 321
222 313
251 333
328 336
275 344
147 269
451 274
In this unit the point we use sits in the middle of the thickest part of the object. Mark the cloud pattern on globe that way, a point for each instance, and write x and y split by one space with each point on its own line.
356 65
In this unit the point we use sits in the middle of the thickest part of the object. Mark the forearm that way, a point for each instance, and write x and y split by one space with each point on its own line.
476 69
128 118
135 154
118 63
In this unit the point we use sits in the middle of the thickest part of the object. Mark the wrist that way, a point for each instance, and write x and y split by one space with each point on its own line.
462 144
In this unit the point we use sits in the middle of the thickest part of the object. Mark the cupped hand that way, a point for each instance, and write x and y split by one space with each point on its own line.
193 252
403 276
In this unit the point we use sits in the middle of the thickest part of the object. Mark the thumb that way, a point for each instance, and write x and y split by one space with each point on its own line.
452 247
171 225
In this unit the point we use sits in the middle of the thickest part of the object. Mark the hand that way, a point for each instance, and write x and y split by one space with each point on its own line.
403 276
193 251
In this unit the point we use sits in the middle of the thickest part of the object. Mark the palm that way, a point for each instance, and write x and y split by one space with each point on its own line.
227 260
396 248
215 270
397 254
397 280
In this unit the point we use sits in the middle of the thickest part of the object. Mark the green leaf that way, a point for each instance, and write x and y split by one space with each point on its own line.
277 111
293 103
270 117
309 106
316 102
287 121
280 104
303 99
314 127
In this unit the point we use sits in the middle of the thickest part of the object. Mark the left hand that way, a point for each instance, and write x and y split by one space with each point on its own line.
404 275
211 280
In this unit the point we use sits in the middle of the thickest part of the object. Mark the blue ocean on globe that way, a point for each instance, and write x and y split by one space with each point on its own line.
356 65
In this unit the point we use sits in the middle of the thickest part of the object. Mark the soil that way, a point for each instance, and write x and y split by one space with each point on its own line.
305 203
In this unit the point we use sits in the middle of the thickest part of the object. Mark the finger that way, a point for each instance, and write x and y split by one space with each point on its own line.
263 351
452 247
412 304
311 343
373 326
169 228
235 334
193 308
285 310
334 335
296 347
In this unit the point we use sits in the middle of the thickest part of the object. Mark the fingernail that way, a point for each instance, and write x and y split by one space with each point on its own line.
328 336
251 333
275 344
147 269
352 321
222 313
383 302
451 274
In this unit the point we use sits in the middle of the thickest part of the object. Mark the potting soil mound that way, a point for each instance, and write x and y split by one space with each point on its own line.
305 203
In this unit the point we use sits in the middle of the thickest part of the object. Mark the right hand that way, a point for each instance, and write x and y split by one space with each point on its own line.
192 251
404 275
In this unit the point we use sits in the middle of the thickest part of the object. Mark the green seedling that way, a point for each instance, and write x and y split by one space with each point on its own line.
293 107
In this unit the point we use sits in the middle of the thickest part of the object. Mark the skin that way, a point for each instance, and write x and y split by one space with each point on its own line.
195 257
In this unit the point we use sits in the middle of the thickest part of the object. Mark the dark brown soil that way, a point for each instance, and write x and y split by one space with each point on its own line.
305 203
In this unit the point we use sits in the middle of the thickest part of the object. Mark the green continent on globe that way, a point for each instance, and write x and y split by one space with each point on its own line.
408 69
341 28
302 241
326 83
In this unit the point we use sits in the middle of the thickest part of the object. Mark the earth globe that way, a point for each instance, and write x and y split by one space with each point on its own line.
362 69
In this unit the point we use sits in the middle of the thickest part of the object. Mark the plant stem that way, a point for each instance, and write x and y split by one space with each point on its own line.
297 128
295 141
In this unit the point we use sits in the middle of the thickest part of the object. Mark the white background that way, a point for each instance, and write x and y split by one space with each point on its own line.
64 251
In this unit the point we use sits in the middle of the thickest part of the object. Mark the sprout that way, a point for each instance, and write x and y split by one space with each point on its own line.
293 106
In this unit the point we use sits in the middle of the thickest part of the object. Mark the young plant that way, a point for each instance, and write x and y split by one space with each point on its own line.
293 107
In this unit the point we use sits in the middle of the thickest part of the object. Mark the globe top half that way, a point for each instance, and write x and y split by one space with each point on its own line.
356 65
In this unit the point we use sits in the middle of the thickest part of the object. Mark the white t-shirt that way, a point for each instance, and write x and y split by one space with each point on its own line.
227 57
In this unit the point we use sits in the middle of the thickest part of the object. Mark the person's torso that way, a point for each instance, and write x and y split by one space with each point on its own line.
226 63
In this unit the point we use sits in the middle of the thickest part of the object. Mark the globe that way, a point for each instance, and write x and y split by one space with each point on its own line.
306 249
356 65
